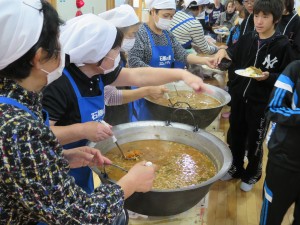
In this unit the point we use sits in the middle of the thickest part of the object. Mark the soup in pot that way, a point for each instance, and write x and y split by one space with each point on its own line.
193 99
179 165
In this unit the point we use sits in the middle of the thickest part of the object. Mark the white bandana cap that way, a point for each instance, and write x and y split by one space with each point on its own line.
198 2
160 4
122 16
21 25
87 38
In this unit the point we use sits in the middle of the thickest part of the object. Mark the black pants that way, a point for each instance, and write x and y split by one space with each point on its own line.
247 127
281 190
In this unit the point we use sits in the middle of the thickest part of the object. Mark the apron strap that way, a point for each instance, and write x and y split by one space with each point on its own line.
13 102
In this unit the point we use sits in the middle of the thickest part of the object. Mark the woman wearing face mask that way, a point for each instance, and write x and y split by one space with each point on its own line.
75 101
34 181
188 30
117 111
155 46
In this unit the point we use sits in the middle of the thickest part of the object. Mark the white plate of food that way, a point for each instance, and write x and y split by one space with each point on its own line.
251 72
223 30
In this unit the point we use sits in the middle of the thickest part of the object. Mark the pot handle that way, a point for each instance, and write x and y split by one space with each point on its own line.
168 122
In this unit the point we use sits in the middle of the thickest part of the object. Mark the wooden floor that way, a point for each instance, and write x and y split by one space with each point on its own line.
228 205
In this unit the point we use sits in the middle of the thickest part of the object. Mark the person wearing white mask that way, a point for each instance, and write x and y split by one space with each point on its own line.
75 101
117 111
155 46
188 30
34 181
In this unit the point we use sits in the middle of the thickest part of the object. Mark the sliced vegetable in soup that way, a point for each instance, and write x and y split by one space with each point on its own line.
179 165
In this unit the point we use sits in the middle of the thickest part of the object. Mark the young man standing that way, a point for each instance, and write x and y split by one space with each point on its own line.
269 51
282 183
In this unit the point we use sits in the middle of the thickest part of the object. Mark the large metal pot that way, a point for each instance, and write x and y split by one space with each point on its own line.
170 202
203 117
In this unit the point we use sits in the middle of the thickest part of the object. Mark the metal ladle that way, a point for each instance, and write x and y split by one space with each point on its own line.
166 95
175 89
114 139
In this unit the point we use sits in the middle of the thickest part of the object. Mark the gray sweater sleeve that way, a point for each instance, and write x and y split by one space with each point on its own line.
141 53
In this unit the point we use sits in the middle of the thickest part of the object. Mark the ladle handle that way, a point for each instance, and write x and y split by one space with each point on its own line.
166 95
114 139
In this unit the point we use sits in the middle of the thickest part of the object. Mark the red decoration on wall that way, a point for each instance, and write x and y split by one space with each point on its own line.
79 3
78 13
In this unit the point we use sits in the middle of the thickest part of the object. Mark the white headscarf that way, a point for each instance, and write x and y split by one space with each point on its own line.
122 16
198 2
21 26
87 38
160 4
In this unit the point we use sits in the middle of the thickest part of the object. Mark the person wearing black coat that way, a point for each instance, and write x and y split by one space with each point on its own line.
282 182
269 51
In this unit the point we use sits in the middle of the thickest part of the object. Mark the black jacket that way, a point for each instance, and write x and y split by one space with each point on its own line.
284 110
272 56
247 24
289 25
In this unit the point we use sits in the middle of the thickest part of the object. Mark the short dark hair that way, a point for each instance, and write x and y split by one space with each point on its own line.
275 7
239 1
289 5
48 40
119 39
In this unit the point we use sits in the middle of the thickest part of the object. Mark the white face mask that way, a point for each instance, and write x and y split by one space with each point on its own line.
127 44
163 24
55 74
116 64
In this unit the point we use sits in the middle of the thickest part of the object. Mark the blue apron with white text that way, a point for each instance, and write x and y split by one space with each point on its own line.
163 57
91 109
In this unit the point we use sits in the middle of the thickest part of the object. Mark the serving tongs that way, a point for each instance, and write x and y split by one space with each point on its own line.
114 139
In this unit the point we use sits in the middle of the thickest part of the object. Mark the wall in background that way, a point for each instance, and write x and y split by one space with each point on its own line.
67 8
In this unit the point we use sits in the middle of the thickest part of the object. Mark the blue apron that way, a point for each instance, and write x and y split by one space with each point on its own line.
163 57
91 109
15 103
187 45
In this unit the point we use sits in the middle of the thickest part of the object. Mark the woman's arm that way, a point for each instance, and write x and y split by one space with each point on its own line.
113 96
157 76
197 35
92 131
